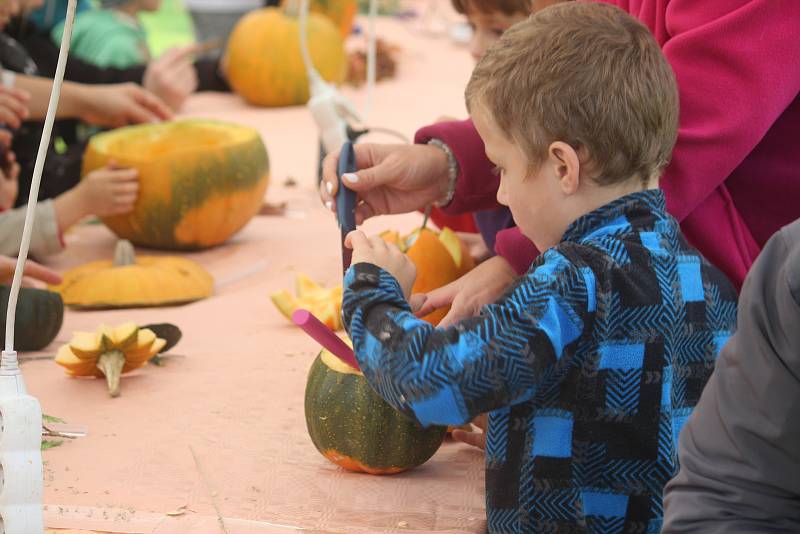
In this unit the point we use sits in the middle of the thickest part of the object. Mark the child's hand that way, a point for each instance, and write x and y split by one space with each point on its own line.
385 255
34 275
13 106
9 186
109 191
474 437
172 76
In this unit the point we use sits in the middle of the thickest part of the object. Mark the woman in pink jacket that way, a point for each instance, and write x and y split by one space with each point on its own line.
734 178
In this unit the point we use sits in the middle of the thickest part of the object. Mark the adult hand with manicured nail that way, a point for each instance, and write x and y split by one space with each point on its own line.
390 179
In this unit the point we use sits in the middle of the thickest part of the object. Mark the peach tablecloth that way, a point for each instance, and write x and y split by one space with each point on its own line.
220 429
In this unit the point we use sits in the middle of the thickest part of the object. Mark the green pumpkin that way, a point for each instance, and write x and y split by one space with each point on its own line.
356 429
38 317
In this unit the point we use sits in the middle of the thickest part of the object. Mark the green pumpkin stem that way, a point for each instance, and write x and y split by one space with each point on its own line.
124 254
111 364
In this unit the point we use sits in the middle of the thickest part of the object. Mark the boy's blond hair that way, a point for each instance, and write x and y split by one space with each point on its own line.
507 7
589 75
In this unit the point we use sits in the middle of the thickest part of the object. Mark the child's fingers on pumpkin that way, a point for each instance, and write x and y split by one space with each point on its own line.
126 188
125 176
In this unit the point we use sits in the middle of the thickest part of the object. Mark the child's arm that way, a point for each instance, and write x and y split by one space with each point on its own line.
448 376
45 238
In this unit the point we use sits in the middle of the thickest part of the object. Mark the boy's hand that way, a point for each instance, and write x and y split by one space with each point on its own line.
385 255
474 437
109 191
482 285
9 185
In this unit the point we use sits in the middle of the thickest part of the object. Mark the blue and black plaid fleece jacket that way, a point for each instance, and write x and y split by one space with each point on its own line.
588 366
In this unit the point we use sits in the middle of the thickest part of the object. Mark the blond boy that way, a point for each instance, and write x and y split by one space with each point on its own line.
591 362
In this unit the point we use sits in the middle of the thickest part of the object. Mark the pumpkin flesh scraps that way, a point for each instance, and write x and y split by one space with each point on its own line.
325 304
109 352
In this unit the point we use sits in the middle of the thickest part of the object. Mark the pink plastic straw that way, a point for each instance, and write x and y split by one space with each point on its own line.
323 335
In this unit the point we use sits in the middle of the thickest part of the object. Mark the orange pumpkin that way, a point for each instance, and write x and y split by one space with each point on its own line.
440 258
263 62
341 12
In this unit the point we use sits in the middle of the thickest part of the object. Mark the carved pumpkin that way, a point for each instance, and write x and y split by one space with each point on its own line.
200 181
109 352
263 63
440 259
356 429
325 304
129 281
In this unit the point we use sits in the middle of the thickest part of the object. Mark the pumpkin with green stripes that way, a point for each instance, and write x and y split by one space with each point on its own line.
38 319
355 429
263 62
200 181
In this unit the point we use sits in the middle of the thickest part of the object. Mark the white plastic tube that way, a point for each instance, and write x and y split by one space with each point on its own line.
37 176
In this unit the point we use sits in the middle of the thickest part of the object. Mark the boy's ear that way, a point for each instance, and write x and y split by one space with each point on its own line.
566 166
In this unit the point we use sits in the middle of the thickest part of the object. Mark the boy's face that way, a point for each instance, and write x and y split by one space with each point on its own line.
488 27
535 197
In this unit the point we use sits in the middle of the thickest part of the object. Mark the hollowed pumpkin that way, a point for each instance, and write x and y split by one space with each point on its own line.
440 259
131 281
200 181
325 304
263 63
356 429
109 352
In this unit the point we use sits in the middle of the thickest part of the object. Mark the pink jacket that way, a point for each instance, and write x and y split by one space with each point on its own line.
734 179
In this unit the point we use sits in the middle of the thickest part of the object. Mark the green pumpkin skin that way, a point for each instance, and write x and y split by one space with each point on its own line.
39 316
356 429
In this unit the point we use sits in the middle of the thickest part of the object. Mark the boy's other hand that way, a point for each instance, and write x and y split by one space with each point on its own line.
13 109
109 191
465 296
475 438
121 104
391 179
172 76
34 275
385 255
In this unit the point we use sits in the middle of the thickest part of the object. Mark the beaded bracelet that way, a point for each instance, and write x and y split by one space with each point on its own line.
452 172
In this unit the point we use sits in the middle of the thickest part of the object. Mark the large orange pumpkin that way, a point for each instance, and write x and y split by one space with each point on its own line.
440 258
341 12
200 181
263 63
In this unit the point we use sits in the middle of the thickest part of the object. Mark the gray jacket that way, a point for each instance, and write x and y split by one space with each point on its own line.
740 449
45 237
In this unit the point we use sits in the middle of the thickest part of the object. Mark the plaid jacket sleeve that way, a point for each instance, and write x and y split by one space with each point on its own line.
448 376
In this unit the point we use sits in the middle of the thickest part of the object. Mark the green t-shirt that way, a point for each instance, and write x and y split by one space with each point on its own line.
106 38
